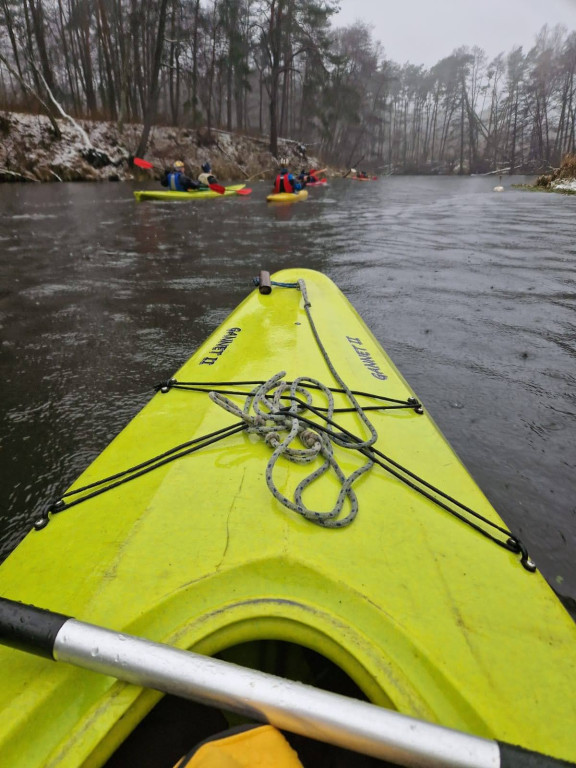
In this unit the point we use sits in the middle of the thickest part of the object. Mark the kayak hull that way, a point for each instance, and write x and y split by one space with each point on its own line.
167 194
416 607
287 197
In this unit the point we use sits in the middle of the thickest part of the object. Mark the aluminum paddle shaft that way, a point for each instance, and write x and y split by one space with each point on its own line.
288 705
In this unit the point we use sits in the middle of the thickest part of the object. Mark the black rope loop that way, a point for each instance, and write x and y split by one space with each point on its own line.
165 386
99 487
411 403
516 546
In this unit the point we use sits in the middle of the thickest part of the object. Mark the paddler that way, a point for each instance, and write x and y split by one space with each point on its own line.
177 180
285 182
206 177
309 177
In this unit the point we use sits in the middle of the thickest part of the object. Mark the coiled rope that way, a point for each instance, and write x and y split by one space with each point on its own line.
271 417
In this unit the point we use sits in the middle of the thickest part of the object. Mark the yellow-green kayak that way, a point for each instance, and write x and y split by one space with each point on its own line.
168 194
287 197
430 609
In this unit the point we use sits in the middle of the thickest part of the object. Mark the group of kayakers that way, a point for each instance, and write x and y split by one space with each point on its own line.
178 181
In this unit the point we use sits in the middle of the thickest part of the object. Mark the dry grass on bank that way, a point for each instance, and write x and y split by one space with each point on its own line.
562 179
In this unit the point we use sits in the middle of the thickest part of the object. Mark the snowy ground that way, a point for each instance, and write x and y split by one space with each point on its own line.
29 151
566 185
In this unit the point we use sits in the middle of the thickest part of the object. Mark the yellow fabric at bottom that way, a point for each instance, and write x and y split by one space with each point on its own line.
262 747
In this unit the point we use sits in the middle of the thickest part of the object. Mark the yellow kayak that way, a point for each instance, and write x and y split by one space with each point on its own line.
287 197
200 194
287 506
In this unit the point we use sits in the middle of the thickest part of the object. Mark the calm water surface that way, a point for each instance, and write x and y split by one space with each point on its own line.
471 292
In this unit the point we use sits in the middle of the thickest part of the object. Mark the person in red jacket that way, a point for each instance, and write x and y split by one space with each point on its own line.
285 182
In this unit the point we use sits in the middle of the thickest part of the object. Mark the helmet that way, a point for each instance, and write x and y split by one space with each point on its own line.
178 165
206 167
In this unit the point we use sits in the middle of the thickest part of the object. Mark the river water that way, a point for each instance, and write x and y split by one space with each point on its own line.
470 291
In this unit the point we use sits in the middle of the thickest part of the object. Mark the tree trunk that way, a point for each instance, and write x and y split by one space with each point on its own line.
155 81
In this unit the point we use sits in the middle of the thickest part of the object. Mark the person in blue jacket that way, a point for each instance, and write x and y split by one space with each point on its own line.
177 180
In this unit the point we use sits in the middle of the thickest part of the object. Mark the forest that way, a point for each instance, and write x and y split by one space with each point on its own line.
282 68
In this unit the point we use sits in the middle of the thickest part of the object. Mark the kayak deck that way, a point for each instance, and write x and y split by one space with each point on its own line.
168 194
287 197
424 613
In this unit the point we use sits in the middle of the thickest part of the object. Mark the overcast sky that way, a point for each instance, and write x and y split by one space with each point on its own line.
425 31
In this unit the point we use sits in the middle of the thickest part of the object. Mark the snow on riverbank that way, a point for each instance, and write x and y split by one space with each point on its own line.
29 151
563 179
565 185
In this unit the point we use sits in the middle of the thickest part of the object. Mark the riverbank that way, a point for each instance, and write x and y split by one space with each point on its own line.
101 151
562 180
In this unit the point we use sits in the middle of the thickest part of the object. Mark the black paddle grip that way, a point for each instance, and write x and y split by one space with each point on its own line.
516 757
29 629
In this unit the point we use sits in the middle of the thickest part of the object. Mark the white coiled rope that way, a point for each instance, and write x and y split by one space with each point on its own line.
266 415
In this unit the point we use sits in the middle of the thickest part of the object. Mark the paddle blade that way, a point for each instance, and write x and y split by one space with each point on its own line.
142 163
245 191
217 188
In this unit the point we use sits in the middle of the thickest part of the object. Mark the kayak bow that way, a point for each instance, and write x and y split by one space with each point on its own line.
200 194
287 197
309 499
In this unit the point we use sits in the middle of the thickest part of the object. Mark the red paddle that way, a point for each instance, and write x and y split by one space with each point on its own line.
245 191
145 164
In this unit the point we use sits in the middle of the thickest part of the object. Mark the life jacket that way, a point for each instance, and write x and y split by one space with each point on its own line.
244 747
174 181
283 183
206 179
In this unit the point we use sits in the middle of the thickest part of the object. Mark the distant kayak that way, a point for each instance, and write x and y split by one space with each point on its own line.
318 183
368 178
287 197
168 194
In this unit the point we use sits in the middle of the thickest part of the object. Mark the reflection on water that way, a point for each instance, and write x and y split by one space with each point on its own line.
470 291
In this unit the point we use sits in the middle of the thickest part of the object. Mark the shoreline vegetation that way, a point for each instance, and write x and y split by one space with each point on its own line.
88 150
562 180
268 70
